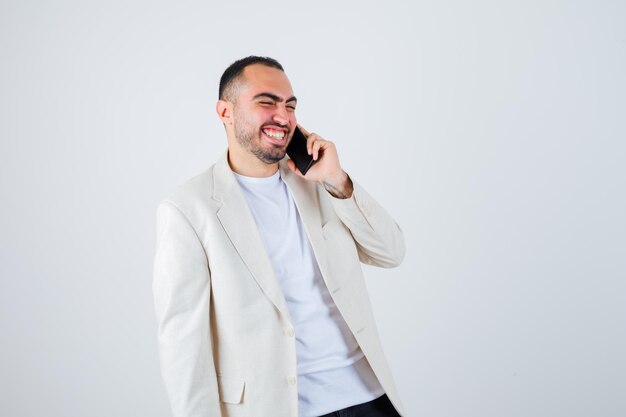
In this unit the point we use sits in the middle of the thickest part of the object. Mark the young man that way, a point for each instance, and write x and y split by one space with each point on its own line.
260 300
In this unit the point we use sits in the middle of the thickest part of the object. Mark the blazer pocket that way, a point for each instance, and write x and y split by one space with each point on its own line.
230 389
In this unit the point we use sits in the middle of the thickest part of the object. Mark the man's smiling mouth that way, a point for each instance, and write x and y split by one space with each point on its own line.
275 136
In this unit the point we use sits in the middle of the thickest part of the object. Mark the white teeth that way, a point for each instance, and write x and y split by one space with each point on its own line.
276 135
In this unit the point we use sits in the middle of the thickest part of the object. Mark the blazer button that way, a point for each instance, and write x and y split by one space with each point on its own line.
289 332
292 381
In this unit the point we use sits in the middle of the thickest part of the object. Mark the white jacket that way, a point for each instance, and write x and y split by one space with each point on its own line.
226 342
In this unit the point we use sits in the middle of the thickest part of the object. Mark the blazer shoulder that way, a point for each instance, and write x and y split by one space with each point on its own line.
194 197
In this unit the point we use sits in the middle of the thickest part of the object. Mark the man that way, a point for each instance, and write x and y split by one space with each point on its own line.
259 294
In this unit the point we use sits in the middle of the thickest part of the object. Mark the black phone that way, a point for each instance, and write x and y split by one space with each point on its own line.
298 153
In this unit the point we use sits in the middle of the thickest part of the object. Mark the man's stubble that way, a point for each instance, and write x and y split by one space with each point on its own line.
249 137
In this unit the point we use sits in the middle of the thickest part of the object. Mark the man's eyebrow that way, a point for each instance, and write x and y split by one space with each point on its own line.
275 97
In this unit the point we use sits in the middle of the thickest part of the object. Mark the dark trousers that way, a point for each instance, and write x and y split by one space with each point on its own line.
380 407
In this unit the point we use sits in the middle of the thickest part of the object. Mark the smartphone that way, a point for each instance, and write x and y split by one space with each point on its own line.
298 153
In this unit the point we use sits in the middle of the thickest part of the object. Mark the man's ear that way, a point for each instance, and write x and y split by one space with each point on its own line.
225 111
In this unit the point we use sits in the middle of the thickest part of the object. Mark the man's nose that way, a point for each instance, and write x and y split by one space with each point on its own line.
281 116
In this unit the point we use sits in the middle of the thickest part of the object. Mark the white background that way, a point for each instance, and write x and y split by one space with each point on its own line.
493 131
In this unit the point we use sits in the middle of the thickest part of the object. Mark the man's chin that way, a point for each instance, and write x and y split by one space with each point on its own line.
270 157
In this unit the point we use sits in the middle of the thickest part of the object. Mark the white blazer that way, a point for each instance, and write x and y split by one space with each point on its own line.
226 341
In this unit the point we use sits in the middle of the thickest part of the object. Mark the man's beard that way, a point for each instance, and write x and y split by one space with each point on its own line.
251 139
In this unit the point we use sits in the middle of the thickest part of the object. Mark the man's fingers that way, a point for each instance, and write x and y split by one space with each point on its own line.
292 166
314 143
316 149
310 142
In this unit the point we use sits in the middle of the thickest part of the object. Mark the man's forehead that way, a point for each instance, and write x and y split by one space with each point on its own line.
260 78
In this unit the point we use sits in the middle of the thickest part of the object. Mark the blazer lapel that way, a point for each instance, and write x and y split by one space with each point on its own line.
239 225
306 197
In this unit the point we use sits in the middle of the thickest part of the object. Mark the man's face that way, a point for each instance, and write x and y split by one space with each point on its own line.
264 113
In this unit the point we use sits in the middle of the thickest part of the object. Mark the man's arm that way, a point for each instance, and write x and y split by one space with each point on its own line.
340 187
379 239
181 289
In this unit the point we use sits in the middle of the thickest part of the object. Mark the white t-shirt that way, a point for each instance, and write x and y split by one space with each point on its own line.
332 370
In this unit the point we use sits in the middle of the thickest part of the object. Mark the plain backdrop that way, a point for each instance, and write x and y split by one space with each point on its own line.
493 131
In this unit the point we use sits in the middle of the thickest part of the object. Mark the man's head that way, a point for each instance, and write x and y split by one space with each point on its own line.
231 78
257 106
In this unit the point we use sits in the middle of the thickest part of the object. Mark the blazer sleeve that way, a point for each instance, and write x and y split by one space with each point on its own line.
181 289
379 239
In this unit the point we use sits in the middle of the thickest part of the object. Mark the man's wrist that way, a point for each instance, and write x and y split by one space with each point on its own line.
339 187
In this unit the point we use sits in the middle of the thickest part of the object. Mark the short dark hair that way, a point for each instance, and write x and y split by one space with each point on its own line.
229 77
